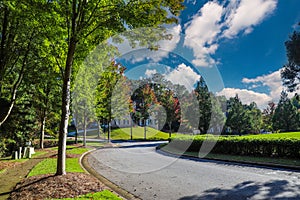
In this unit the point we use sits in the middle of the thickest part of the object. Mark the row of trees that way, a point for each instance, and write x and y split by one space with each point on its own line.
285 116
42 45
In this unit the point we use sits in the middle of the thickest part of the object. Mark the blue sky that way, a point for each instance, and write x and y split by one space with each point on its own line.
236 45
245 40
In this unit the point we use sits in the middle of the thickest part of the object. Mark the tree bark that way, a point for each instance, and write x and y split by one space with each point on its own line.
109 130
84 127
63 129
170 132
98 129
42 136
131 127
145 130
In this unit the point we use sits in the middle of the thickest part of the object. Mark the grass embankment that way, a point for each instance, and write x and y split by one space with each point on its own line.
124 134
279 148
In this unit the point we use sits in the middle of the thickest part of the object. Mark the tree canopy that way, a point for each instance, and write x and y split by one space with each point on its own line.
291 70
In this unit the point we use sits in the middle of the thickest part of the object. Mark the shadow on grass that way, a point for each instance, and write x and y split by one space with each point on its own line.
24 186
277 189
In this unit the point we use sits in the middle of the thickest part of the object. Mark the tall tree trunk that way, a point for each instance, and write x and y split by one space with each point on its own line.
130 127
76 134
63 129
170 132
3 44
145 130
84 127
42 136
108 131
98 129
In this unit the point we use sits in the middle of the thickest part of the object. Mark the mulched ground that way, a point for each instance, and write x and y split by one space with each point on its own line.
7 164
49 186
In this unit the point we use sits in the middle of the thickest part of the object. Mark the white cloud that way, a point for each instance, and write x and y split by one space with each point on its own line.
215 21
202 31
183 75
150 72
247 96
246 14
272 81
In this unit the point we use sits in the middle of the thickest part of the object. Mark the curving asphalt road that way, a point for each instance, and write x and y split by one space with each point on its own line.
142 171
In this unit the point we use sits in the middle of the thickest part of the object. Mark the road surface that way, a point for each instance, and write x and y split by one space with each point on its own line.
142 171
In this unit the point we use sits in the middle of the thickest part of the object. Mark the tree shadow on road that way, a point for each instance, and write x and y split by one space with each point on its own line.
277 189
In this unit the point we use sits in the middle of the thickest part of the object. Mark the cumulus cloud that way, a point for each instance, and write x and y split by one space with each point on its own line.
215 21
150 72
183 75
247 96
272 81
202 31
245 14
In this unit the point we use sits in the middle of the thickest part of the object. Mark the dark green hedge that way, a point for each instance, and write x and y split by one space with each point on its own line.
281 148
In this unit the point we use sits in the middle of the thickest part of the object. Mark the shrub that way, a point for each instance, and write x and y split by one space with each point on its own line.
245 145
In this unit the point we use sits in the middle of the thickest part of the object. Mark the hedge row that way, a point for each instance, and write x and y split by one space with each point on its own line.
281 148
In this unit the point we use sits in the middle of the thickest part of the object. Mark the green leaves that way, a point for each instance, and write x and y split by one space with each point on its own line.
290 71
286 116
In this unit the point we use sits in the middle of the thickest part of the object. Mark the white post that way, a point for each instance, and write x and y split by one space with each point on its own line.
20 152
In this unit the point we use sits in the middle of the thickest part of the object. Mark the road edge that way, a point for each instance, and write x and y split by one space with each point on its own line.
117 189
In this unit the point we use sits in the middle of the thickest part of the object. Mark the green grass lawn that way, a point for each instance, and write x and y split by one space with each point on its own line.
103 195
138 133
74 149
124 134
48 166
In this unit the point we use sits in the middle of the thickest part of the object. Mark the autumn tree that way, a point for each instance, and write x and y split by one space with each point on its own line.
171 104
143 98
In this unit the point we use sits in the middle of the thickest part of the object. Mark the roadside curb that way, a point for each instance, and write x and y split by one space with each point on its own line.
288 167
117 189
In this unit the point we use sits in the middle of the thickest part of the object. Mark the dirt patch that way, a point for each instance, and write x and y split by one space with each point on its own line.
48 186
